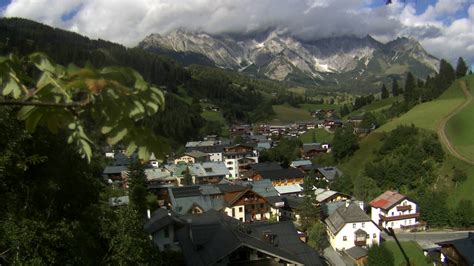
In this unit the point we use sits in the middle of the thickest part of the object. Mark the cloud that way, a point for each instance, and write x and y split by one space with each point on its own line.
128 22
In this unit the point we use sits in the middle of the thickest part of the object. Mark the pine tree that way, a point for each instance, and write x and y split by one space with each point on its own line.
309 210
461 68
385 93
395 90
187 178
409 92
137 187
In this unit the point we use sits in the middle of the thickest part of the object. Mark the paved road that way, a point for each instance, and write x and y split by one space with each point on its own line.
442 124
432 237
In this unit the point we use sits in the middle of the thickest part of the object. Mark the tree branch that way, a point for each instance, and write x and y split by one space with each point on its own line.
44 104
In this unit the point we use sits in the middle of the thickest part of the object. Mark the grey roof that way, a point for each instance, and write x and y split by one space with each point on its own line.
343 215
265 166
311 146
287 237
208 149
114 169
357 252
330 172
281 174
329 208
209 169
159 219
118 201
196 154
158 173
464 246
184 198
212 236
263 187
292 202
301 163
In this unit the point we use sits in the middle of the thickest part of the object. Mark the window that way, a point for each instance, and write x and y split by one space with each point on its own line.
241 209
374 235
392 213
344 238
261 205
241 219
167 232
233 212
354 225
363 225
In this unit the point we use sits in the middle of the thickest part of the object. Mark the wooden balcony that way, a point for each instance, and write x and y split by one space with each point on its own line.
360 243
399 217
403 208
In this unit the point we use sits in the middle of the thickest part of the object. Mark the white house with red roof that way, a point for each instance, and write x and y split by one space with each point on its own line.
392 209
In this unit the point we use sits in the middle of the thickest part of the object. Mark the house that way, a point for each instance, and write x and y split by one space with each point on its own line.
208 172
458 251
237 201
281 177
193 156
238 157
392 209
291 208
212 238
310 150
293 190
326 195
329 173
358 255
350 226
299 163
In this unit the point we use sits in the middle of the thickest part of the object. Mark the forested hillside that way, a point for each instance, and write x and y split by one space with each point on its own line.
241 99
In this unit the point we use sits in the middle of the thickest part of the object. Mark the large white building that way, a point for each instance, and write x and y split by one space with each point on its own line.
392 209
349 226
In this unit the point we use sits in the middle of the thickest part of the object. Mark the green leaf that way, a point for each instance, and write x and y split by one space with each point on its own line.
138 111
17 92
32 122
25 112
86 149
143 153
132 147
117 137
10 87
106 129
42 62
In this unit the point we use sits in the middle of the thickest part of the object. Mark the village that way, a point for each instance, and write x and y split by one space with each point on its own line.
219 204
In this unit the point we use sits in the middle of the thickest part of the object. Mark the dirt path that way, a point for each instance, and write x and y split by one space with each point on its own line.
442 124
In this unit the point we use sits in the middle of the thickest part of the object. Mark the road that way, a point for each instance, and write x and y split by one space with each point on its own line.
442 124
432 237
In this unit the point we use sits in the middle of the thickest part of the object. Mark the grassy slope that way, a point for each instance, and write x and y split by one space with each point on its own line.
460 128
321 135
313 107
427 116
377 106
413 251
288 114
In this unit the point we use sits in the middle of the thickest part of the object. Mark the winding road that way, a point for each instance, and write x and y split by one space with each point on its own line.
442 124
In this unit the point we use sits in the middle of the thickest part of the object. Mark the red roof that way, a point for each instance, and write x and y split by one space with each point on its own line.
387 200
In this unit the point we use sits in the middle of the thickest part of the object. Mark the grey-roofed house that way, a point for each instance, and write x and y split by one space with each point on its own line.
326 195
213 238
208 172
118 201
329 173
310 150
350 226
299 163
458 251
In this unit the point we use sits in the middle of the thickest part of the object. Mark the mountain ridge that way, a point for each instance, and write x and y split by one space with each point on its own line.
277 55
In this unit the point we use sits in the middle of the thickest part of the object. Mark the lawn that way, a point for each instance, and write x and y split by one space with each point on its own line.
288 114
365 153
320 134
377 106
427 115
312 107
413 251
460 128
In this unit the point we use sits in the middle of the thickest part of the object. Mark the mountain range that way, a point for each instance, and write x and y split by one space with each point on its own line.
341 62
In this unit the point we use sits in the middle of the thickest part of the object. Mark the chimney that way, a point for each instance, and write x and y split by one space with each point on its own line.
348 202
361 205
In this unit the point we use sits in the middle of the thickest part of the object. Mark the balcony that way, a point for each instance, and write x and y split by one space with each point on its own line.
399 217
360 243
403 208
